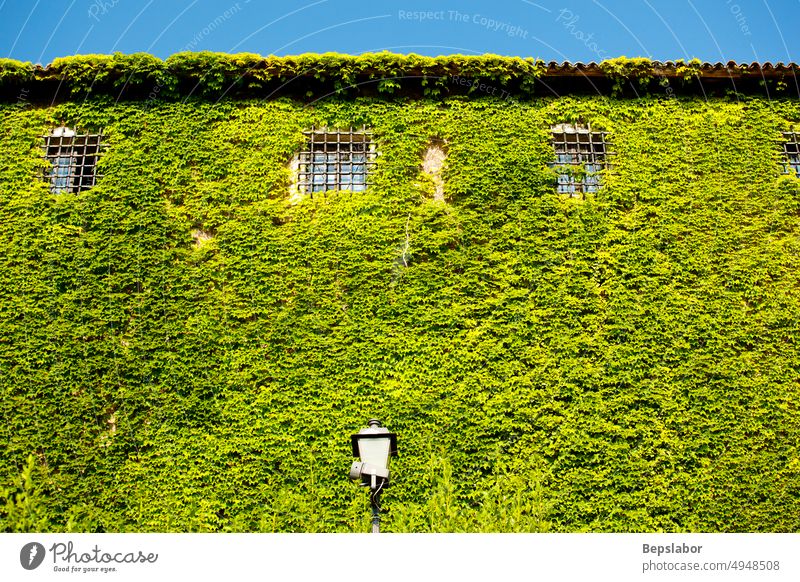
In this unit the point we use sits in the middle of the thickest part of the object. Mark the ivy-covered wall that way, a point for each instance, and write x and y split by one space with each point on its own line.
184 349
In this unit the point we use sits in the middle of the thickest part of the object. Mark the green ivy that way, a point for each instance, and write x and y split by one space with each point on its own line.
216 75
628 362
14 73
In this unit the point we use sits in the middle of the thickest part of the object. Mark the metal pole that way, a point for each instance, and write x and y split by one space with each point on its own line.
374 498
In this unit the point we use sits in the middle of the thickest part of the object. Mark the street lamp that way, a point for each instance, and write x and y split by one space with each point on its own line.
374 446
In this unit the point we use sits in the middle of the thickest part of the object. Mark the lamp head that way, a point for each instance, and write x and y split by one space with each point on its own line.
373 445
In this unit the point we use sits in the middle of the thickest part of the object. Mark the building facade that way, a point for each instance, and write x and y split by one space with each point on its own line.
572 290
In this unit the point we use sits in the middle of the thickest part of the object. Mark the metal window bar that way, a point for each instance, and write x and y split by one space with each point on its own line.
582 149
72 160
336 160
791 152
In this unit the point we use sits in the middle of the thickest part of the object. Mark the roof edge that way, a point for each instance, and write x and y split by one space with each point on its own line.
218 75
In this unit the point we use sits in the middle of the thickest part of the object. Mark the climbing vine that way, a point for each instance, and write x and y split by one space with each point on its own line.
183 348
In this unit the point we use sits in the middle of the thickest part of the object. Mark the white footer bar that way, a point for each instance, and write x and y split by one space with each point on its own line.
389 558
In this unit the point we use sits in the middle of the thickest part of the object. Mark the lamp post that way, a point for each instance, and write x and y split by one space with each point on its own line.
373 445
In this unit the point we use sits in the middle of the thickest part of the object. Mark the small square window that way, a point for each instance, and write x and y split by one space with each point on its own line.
791 153
72 160
336 160
580 156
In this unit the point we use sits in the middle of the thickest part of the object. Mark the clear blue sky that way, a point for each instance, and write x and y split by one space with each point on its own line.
574 30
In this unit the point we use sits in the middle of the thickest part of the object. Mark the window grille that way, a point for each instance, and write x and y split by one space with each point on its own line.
791 152
336 160
72 160
580 155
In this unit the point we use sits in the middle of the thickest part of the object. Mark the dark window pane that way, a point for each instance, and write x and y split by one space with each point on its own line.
340 164
72 159
577 146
